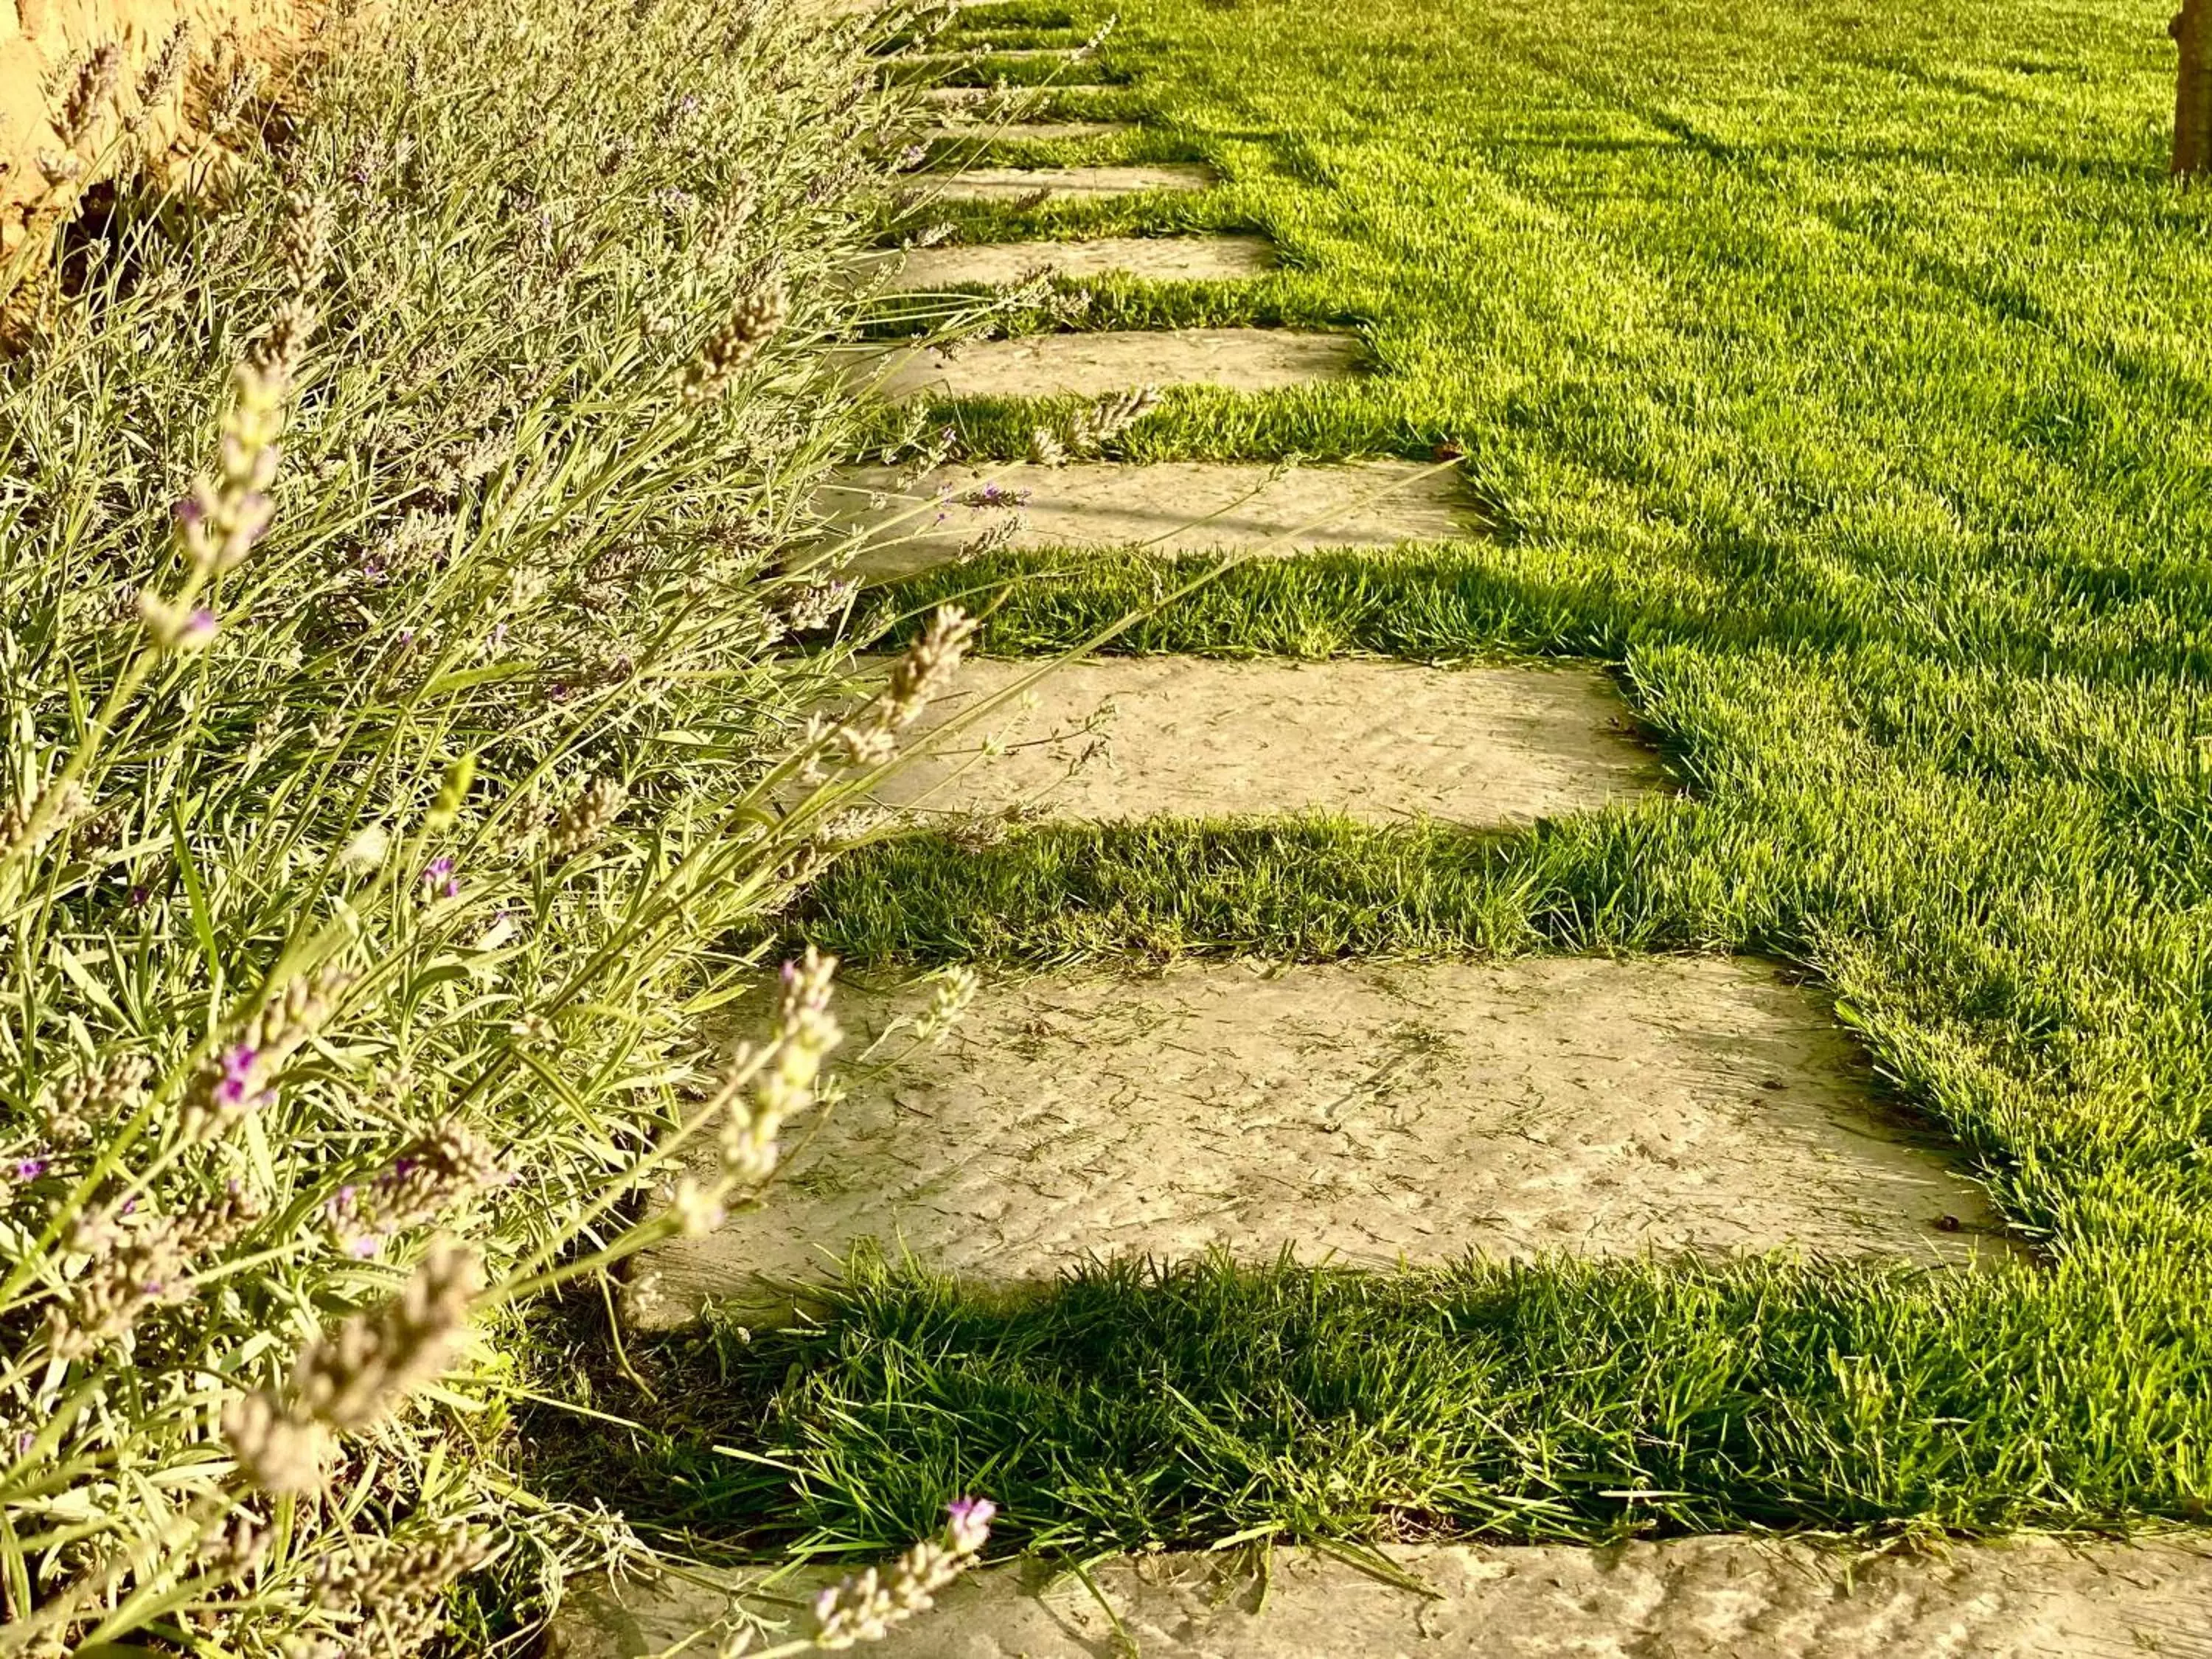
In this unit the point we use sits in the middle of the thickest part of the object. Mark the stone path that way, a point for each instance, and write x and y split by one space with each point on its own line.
1043 184
1378 741
1155 259
1024 132
967 97
1166 507
1687 1598
1373 1114
1082 365
939 62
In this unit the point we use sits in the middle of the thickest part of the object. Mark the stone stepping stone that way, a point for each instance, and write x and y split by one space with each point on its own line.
1070 184
1027 133
1382 742
1155 259
1094 365
1740 1597
869 8
970 97
940 62
1370 1113
1167 507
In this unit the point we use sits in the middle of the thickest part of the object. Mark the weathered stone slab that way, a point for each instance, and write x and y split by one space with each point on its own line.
869 8
1092 365
1382 741
1370 1113
973 97
1155 259
940 62
1684 1598
1070 184
1167 507
1026 132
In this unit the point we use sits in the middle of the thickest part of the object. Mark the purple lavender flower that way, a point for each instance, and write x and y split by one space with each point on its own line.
237 1082
968 1522
30 1168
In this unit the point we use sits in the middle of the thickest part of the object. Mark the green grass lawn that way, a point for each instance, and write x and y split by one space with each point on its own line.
1836 370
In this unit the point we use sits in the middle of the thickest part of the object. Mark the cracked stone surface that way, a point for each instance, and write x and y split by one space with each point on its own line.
1093 365
1372 1113
1690 1598
1064 184
1156 258
1169 507
1378 741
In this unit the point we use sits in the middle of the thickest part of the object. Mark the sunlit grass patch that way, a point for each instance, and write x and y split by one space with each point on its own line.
1130 1406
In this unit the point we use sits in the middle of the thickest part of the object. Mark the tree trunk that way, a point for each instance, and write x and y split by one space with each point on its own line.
2192 96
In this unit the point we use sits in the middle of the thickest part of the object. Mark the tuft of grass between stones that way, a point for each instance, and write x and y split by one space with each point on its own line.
1133 1406
1836 377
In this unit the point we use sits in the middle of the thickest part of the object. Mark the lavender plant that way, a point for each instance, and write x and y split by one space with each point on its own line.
397 776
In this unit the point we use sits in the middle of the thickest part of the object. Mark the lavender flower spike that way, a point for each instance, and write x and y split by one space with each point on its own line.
968 1522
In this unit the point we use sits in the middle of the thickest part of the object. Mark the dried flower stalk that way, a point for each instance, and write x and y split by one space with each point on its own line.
751 323
865 1607
356 1376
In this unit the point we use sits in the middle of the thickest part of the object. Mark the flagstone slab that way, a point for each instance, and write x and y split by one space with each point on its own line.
1743 1598
968 97
1026 132
1367 1113
941 62
1154 258
1097 364
1167 507
1729 1597
1381 742
1070 184
869 8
